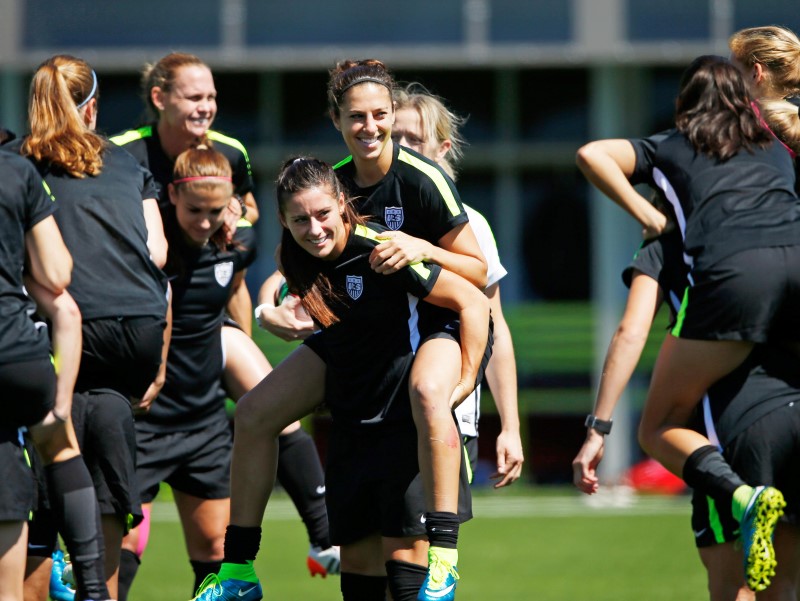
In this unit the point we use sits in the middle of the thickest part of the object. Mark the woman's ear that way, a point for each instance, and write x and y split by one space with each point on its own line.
444 148
341 203
758 72
173 194
335 120
157 97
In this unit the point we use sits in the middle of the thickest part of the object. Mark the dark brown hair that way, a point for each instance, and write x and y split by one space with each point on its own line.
301 269
349 73
714 111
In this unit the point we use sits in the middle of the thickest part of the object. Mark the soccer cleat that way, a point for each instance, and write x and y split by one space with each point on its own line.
214 589
440 583
757 529
60 590
323 561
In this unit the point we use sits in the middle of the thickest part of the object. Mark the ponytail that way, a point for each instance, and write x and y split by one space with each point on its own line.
59 135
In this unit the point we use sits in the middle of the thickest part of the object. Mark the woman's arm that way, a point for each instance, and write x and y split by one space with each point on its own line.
501 375
156 240
48 259
458 252
454 292
622 356
67 340
608 164
239 306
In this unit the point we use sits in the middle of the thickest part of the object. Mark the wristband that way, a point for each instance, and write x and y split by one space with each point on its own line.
257 311
242 203
601 425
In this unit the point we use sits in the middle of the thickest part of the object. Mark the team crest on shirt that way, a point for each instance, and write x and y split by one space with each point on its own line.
223 272
355 286
393 216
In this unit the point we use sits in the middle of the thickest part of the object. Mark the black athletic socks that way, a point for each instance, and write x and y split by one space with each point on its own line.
707 471
405 579
202 569
242 543
74 505
301 475
357 587
128 566
442 528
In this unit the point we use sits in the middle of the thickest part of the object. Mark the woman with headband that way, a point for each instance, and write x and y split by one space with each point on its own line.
185 439
369 332
425 220
111 224
181 98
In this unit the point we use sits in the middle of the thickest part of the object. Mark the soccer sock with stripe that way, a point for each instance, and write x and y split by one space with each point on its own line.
77 513
301 475
442 529
707 471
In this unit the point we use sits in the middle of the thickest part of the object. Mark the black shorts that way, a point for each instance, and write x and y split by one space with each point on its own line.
440 324
121 353
29 390
18 492
373 484
104 426
751 295
195 462
766 453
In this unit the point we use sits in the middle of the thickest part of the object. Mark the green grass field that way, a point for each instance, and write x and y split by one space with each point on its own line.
525 544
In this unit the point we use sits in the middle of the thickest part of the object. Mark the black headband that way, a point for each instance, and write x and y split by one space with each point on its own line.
364 80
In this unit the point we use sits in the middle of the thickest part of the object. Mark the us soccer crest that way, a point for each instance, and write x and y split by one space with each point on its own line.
355 286
393 216
223 272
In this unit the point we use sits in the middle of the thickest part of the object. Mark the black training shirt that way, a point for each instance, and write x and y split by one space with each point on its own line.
24 202
201 280
725 207
369 352
102 221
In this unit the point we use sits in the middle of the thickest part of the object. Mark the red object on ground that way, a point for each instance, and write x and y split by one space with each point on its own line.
652 477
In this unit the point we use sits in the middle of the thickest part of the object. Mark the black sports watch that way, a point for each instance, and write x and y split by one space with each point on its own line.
601 425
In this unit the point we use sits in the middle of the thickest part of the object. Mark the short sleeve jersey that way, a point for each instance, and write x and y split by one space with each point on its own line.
145 145
415 196
192 397
24 202
725 207
369 351
102 221
468 412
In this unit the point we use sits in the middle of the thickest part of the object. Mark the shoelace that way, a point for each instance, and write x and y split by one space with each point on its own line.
440 569
211 581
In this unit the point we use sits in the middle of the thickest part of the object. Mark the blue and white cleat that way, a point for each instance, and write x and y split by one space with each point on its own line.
440 583
757 529
60 590
214 589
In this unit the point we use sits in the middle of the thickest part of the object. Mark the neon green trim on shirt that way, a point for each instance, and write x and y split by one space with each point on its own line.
366 232
48 191
676 331
437 178
146 131
243 223
215 136
421 269
343 162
